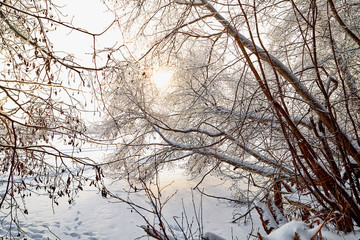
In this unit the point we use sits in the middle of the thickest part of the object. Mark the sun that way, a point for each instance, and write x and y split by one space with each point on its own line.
162 78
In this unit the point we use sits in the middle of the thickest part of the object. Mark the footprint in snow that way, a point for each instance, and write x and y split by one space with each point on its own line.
45 225
89 233
36 230
57 224
36 236
73 234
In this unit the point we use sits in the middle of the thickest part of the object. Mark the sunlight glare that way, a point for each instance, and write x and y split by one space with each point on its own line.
161 78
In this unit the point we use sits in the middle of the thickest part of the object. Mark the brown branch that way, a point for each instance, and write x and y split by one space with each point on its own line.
342 24
352 148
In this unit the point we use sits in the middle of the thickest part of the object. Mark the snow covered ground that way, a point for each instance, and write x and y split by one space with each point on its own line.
92 217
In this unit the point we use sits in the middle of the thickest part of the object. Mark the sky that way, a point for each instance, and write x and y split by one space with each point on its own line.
95 18
91 15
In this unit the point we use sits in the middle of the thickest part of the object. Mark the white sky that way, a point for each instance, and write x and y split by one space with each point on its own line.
91 15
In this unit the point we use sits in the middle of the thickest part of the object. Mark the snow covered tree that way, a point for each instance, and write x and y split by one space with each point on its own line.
39 102
265 91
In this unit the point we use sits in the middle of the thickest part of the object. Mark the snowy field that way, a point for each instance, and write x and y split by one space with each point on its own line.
92 217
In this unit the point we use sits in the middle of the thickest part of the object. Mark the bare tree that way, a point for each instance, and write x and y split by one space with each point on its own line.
263 90
42 98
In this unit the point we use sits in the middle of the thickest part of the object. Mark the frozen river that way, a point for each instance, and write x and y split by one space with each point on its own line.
92 217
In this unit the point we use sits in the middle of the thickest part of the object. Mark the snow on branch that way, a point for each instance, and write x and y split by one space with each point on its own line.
296 119
351 146
191 3
257 155
280 67
152 232
212 236
251 167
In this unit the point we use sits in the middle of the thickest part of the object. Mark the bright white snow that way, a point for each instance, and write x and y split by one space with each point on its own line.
92 217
